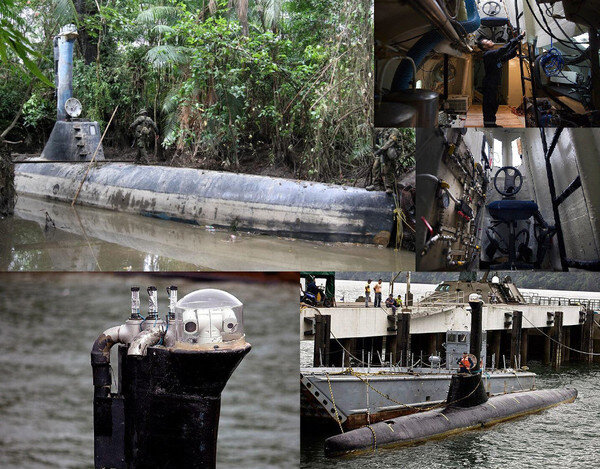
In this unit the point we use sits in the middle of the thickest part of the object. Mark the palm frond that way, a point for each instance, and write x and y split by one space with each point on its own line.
271 12
65 12
162 29
158 14
166 55
171 102
170 108
14 41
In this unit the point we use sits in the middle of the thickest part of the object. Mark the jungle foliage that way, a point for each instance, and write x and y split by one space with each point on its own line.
230 83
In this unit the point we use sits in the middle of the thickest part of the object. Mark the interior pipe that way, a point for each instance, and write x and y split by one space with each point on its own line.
466 72
393 59
433 12
429 40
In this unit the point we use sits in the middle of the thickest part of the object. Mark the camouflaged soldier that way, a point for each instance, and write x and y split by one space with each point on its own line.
385 162
143 127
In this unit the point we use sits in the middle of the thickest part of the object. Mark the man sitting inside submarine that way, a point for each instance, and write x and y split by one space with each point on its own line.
493 59
466 363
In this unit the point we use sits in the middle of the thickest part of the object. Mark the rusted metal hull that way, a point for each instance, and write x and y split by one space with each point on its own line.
276 206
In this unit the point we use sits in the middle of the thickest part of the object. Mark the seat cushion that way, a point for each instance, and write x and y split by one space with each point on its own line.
493 21
512 210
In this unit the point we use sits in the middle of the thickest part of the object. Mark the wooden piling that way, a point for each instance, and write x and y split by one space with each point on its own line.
377 349
558 336
515 339
524 346
566 353
476 329
496 339
432 344
403 338
587 339
547 346
322 340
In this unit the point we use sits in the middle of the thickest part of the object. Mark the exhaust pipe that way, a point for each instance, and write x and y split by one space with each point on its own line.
63 67
166 410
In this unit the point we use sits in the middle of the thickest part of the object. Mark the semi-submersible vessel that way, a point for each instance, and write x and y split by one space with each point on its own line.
373 364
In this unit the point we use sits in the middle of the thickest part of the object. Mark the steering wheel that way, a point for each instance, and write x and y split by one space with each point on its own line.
491 8
513 181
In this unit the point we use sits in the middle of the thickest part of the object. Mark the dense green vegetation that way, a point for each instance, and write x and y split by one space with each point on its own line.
238 84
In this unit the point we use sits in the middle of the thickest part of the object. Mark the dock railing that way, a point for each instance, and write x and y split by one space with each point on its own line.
442 298
535 299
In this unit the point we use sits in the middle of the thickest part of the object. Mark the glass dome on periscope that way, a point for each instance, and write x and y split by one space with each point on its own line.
209 318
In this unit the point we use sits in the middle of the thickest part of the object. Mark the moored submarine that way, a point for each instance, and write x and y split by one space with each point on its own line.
467 407
165 412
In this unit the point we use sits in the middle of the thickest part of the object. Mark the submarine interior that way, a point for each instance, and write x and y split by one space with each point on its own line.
508 199
430 72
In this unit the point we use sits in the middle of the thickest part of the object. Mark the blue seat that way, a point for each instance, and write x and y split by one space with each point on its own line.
512 210
493 21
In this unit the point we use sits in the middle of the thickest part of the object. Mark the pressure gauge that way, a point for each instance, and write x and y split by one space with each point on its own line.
73 107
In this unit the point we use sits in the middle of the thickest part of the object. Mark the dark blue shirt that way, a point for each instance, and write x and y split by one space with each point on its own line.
493 60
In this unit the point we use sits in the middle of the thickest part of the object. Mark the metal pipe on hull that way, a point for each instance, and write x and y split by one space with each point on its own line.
283 207
64 72
439 423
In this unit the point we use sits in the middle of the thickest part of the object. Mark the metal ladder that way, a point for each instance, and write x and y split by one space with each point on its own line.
557 200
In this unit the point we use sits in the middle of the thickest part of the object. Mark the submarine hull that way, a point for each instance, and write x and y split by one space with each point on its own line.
282 207
439 423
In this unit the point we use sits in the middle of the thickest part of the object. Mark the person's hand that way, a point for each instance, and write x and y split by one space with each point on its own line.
521 36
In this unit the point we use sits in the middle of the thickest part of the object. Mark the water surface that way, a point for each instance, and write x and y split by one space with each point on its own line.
46 235
47 326
562 437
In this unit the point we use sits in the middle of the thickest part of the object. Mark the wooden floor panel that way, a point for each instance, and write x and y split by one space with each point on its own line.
504 117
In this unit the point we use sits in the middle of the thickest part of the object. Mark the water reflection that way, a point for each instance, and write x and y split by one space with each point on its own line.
53 236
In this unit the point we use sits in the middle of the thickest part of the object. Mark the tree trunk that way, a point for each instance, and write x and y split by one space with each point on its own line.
7 180
87 44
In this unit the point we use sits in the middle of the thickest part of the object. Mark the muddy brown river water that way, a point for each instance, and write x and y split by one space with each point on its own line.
47 235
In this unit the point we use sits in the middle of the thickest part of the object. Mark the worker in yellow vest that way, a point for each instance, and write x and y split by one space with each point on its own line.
367 293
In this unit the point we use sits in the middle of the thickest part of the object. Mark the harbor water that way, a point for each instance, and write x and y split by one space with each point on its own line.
47 326
566 436
563 437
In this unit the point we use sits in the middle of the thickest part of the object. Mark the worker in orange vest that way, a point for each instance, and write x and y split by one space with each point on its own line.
465 363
